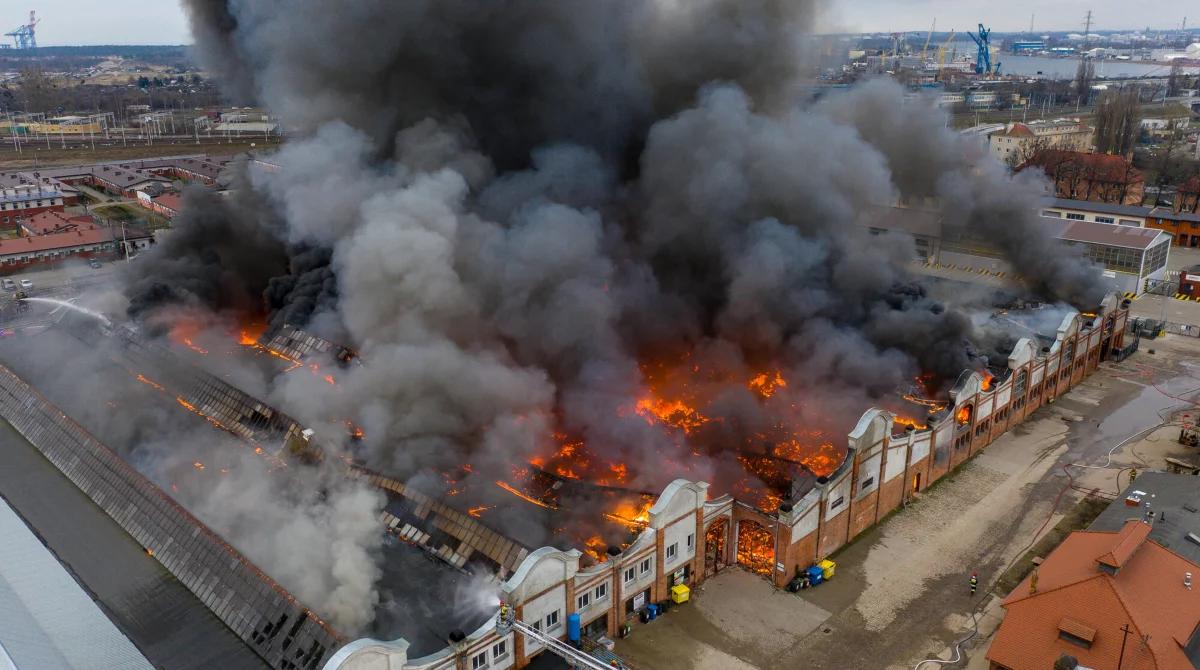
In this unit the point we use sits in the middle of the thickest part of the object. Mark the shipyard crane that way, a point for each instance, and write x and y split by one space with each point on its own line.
942 54
24 36
925 49
983 58
507 621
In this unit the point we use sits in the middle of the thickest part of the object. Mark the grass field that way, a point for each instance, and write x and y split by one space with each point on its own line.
131 213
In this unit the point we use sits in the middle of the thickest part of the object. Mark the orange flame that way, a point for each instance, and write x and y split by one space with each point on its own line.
198 465
963 415
251 332
329 379
595 547
149 382
756 548
765 384
630 515
986 382
671 412
511 489
478 511
910 421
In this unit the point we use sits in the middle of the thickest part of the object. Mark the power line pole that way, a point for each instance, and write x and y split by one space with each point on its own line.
1125 628
1087 28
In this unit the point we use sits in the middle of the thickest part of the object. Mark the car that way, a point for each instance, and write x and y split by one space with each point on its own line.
9 284
25 283
94 263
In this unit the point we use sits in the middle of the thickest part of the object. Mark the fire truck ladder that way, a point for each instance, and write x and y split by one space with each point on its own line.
573 656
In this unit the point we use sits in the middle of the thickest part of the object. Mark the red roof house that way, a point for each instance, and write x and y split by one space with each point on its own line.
1108 599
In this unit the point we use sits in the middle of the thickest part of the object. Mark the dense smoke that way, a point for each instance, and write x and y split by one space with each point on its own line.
311 529
514 210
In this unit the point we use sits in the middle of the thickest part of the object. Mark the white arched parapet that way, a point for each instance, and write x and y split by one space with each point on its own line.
680 497
1068 328
369 654
1111 303
873 426
539 571
1023 353
969 385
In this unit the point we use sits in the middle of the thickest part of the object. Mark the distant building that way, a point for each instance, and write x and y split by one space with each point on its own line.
1109 599
167 204
1019 141
81 240
53 222
1097 212
25 200
1027 46
1183 227
1129 255
1087 176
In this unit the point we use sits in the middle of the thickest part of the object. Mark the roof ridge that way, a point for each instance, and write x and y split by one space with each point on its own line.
1049 590
1111 581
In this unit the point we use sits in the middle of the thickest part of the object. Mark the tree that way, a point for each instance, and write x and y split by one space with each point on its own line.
1026 151
1118 121
37 91
1084 75
1175 79
143 82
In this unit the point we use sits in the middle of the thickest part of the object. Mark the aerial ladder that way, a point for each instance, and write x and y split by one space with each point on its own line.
506 622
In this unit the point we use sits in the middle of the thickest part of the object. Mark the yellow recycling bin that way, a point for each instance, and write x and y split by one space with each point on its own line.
827 567
680 593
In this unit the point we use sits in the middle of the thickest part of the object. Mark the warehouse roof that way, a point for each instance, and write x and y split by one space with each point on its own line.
1108 234
46 620
1099 207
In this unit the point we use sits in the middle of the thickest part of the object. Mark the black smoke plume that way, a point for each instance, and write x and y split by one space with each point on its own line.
517 211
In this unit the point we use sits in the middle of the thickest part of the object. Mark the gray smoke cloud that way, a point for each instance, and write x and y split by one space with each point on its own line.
314 531
515 211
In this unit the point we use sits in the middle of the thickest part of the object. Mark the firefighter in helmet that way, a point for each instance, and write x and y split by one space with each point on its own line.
974 582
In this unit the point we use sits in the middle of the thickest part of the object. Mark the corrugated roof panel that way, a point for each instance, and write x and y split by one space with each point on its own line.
47 621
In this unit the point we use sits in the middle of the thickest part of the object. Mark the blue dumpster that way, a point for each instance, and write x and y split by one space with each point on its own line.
573 628
816 575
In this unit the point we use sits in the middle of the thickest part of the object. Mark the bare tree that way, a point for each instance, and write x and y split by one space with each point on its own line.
1084 75
1025 152
38 93
1175 80
1118 121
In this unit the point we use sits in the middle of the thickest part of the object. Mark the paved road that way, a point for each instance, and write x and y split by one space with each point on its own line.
1168 309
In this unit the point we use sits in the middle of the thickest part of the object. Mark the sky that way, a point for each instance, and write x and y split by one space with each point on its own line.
163 21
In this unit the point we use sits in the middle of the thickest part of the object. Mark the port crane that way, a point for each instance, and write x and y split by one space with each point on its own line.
24 36
983 58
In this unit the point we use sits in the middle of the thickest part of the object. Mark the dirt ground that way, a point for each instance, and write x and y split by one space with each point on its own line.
900 594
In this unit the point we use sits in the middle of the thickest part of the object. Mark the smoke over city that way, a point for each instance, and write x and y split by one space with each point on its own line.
525 216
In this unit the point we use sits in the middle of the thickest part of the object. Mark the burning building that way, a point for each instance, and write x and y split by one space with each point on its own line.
588 262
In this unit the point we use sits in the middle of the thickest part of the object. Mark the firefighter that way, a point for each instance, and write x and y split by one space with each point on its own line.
974 582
